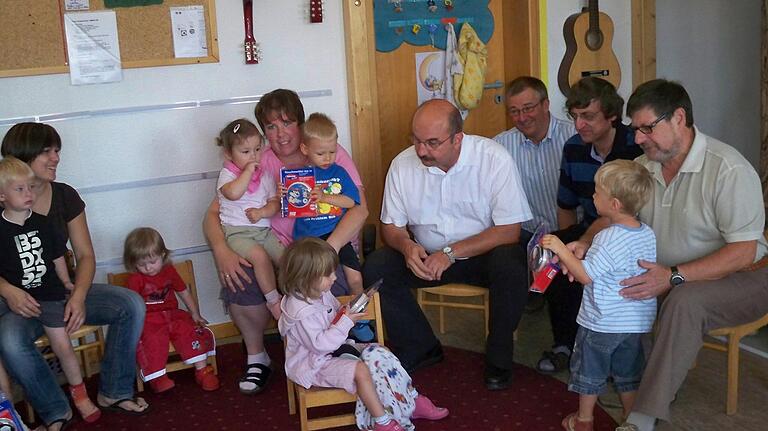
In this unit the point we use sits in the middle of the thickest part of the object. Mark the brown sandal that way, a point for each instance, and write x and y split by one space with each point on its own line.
572 422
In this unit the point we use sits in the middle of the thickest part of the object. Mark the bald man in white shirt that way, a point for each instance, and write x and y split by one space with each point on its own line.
461 199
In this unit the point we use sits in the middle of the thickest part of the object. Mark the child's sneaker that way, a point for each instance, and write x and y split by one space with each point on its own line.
425 409
206 378
274 309
161 384
392 425
573 423
362 331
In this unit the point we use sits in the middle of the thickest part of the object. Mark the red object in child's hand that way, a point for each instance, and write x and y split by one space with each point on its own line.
338 315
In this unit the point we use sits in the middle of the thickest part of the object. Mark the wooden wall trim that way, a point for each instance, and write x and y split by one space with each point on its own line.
764 104
363 100
643 41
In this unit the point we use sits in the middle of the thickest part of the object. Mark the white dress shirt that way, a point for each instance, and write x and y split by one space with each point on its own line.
481 190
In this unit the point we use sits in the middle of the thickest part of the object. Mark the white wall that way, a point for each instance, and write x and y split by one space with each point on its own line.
557 12
713 48
130 147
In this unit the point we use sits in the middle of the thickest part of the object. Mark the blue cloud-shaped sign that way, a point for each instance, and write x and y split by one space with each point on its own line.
394 27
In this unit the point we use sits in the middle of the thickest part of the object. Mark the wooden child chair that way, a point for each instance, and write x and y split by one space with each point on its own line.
316 397
187 274
455 290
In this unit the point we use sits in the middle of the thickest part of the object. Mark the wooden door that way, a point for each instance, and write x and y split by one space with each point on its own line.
396 86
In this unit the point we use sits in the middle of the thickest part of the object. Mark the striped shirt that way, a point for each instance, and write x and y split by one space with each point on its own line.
612 258
578 168
539 168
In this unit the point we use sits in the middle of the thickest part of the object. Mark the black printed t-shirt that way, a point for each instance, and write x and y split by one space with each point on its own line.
27 256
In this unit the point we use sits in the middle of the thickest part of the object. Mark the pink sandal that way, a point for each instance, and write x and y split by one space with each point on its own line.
425 409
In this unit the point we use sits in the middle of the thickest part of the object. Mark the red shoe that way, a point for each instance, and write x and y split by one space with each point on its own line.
89 412
161 384
391 426
206 378
425 409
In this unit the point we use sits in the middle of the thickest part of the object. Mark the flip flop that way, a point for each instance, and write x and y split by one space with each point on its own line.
115 407
65 423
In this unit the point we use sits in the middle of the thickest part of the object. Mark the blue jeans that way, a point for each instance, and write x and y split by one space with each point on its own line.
122 309
597 356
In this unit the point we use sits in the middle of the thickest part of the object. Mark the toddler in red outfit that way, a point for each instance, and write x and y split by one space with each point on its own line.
157 281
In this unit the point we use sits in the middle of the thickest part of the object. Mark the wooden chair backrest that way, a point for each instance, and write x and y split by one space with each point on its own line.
185 269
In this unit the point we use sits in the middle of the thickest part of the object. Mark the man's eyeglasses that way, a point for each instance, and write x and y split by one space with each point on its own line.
431 143
585 116
514 112
647 130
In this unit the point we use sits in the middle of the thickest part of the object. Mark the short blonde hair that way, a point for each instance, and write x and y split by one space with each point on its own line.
319 126
141 243
627 181
302 265
11 169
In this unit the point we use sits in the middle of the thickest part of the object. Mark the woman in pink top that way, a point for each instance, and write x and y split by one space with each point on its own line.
280 115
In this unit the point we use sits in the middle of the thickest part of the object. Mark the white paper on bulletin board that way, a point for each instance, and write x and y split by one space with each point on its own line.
188 24
93 48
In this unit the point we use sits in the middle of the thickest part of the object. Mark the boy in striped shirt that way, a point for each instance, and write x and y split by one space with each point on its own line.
608 342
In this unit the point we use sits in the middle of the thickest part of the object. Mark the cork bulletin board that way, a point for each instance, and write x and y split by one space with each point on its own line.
32 38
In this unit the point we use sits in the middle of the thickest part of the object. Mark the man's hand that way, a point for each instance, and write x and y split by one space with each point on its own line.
650 284
21 302
74 314
414 260
437 263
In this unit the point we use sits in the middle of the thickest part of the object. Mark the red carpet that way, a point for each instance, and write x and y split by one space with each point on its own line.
534 402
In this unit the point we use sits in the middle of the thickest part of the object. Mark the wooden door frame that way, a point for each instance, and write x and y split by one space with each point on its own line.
363 98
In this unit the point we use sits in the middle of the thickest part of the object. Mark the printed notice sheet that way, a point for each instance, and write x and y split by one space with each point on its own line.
188 26
94 52
76 5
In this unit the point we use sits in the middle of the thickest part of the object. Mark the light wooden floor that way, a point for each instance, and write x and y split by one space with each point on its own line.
700 404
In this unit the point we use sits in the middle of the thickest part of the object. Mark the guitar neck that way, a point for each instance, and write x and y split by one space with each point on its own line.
249 43
594 16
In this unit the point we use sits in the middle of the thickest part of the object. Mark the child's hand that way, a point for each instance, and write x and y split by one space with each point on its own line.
283 190
69 286
199 320
317 194
354 316
553 243
250 167
253 214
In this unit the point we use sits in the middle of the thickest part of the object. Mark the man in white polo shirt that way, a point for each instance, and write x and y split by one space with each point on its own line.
708 216
460 197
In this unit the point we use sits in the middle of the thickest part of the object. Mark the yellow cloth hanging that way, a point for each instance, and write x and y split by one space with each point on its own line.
473 55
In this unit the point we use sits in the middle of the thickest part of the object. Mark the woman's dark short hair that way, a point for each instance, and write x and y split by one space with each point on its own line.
26 141
282 101
590 88
663 97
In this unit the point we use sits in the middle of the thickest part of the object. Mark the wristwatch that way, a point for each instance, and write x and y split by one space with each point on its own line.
676 278
448 251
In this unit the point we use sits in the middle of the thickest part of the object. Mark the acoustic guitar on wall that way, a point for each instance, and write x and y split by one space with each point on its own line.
588 49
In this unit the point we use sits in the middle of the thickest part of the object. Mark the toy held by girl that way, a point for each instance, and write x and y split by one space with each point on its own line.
33 260
386 398
248 198
157 281
608 342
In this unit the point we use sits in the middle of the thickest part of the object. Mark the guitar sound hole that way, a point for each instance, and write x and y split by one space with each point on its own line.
594 39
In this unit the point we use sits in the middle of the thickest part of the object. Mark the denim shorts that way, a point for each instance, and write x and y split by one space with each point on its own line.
598 356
